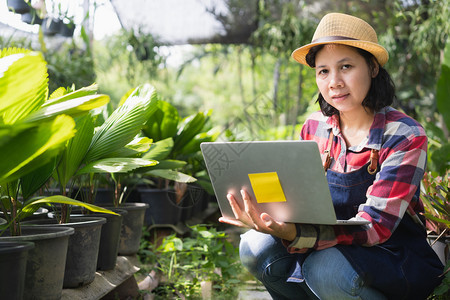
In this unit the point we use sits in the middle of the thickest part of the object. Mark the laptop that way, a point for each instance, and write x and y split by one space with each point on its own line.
285 179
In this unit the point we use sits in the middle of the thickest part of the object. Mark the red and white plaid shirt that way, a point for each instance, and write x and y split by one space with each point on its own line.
402 145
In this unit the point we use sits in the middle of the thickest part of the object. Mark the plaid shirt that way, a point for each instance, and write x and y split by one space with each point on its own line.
402 145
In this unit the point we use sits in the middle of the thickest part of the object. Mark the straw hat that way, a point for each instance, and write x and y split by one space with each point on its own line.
336 28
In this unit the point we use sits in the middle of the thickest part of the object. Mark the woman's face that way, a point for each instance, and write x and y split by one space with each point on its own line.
343 77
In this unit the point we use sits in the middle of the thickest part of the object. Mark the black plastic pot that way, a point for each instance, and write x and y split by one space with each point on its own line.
67 29
109 240
45 262
102 196
18 6
51 26
40 213
163 208
82 252
13 264
441 246
132 223
31 18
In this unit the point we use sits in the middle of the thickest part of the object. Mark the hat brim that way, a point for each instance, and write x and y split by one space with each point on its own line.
378 51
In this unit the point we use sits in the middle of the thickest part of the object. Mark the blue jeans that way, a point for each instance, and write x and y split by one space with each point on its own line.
327 273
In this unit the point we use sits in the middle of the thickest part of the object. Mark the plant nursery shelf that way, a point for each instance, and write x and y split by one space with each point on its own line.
105 282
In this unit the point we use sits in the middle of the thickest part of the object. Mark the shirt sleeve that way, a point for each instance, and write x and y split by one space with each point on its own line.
402 165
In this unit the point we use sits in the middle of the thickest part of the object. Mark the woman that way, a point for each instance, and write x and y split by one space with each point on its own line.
375 158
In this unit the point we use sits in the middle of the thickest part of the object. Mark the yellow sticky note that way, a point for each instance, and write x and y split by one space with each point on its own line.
267 187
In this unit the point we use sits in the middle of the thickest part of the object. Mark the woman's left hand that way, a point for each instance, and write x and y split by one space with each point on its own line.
249 217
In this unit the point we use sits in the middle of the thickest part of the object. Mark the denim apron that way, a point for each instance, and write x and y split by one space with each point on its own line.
403 267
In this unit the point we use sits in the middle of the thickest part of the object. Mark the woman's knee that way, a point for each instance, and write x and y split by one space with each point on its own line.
258 251
329 274
253 248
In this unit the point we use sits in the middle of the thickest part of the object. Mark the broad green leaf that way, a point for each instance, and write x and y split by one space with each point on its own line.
23 85
124 123
116 165
13 50
133 149
34 147
73 107
431 217
163 123
8 132
75 150
33 204
442 94
33 181
443 86
172 175
61 95
193 146
164 164
192 126
159 150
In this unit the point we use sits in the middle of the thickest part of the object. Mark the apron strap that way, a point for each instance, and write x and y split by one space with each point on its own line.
373 166
326 160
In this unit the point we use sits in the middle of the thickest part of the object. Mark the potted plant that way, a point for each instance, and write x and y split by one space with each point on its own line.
177 144
33 131
436 199
115 150
200 265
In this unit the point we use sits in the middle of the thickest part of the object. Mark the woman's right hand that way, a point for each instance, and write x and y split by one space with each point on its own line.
249 217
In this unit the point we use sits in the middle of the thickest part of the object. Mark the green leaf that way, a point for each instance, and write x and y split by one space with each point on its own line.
34 147
443 86
191 126
431 217
172 175
116 165
32 182
33 203
23 85
159 150
124 123
75 150
164 164
163 123
60 95
73 107
133 149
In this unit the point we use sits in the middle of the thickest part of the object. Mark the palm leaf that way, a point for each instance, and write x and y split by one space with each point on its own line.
23 85
134 148
124 123
116 165
33 204
60 95
172 175
34 147
163 123
159 150
33 181
75 150
73 107
191 126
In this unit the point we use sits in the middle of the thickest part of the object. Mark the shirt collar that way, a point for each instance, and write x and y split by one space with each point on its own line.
375 133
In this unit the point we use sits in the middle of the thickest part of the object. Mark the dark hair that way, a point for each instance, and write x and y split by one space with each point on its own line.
382 88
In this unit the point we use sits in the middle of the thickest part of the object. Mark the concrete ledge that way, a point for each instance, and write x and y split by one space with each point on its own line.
105 281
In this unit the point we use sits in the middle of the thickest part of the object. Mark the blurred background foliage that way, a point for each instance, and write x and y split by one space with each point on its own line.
254 88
